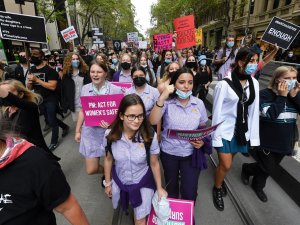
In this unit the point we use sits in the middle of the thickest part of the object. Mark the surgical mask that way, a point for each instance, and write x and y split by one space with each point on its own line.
22 59
183 95
139 81
75 63
145 66
168 61
203 62
114 61
162 209
35 60
250 68
125 65
190 65
291 84
290 55
230 44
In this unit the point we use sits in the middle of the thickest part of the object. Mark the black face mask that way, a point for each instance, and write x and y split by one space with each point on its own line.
82 51
125 65
35 60
171 74
52 63
139 81
22 59
190 65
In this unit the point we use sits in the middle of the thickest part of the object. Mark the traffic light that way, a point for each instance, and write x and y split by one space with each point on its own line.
21 2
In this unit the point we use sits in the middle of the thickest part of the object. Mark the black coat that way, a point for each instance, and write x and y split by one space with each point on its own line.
68 91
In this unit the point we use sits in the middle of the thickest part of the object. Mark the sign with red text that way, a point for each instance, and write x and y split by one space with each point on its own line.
100 108
191 135
162 42
185 29
123 85
69 34
182 213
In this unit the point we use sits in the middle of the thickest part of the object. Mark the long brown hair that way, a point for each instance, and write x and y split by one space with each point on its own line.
117 126
83 67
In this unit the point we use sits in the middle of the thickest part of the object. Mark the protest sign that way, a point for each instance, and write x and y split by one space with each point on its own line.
123 85
69 34
198 35
162 42
280 32
117 45
100 108
133 37
21 27
182 213
97 35
185 29
191 135
142 44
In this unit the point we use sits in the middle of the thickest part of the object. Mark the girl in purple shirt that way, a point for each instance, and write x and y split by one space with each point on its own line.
130 179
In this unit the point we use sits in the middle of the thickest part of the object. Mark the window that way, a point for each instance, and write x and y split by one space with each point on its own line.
287 2
276 4
252 6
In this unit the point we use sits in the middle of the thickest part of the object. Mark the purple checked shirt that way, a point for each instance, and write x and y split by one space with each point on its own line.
177 116
149 96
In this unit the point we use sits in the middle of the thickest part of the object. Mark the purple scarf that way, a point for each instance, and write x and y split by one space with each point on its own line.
131 193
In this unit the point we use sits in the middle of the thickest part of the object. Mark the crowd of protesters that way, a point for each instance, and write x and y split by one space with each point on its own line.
169 91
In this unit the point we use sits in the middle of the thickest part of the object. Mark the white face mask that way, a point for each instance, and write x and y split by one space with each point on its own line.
162 209
290 55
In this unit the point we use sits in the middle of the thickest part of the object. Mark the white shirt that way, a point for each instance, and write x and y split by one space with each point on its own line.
225 109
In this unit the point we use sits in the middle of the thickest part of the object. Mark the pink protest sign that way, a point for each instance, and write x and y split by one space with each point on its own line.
100 108
123 85
191 135
182 213
162 42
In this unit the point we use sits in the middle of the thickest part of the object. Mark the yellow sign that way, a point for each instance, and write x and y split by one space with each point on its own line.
199 36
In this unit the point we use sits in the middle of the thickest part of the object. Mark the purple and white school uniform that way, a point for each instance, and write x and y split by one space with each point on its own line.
91 137
177 116
125 78
149 96
131 166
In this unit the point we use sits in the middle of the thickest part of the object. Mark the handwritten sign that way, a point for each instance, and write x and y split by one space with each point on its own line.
142 44
191 135
280 32
182 213
162 42
133 37
69 34
198 35
100 108
185 28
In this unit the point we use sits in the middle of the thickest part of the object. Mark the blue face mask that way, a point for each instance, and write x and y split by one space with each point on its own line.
183 95
75 63
203 62
250 68
291 84
230 44
114 61
168 61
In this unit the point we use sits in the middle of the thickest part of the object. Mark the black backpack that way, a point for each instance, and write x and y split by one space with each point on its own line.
147 146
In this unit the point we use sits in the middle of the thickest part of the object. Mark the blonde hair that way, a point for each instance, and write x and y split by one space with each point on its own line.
21 89
279 72
67 68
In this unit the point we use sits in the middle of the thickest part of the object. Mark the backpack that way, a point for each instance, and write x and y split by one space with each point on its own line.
147 146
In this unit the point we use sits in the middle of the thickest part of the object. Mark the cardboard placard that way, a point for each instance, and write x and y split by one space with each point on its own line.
182 213
192 135
97 35
198 35
21 27
100 108
280 32
133 37
162 42
185 28
142 44
117 45
69 34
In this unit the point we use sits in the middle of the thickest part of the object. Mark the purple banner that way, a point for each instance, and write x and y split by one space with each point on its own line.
191 135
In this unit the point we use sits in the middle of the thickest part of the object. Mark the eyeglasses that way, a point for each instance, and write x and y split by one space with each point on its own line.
132 117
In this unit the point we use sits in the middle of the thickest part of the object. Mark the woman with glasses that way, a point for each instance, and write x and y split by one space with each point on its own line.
136 170
236 106
90 138
75 75
180 110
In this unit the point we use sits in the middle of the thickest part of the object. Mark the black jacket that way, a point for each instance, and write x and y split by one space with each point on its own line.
19 74
68 91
